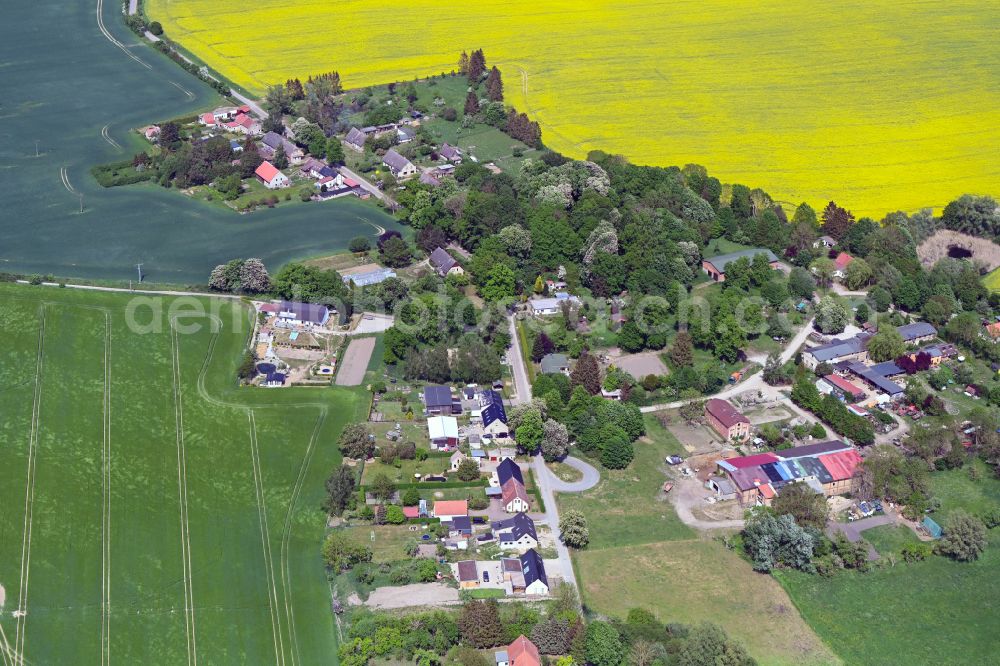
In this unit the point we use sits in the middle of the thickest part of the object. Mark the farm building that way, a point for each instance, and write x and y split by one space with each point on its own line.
837 350
303 313
438 400
398 165
715 266
467 574
443 432
726 420
555 363
369 278
356 139
444 264
917 332
271 176
840 387
272 141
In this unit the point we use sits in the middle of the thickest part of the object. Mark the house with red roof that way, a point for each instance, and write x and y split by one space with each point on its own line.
840 265
207 119
521 652
271 176
840 386
726 419
514 496
448 510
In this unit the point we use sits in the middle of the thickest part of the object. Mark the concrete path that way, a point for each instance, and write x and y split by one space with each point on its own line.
591 477
516 359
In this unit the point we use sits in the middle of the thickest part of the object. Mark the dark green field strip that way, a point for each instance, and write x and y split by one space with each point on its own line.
147 597
64 581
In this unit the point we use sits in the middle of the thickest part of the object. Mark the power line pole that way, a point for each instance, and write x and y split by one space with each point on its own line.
36 148
81 202
139 268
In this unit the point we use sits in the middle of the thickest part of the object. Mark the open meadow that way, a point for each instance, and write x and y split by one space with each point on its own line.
880 105
152 511
74 95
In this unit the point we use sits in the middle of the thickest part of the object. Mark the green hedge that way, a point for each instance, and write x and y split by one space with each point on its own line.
121 173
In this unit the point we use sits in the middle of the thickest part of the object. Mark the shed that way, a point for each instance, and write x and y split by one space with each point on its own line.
932 527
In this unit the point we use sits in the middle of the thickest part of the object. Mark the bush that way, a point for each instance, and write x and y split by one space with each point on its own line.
156 28
479 502
449 114
964 537
914 552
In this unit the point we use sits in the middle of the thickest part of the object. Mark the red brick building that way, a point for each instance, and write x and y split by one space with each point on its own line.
726 420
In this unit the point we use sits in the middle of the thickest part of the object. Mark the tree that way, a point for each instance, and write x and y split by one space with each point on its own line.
858 274
603 645
801 283
823 268
682 351
494 85
555 441
805 214
394 516
479 624
862 314
341 553
832 315
799 501
471 104
772 540
280 158
253 276
587 373
880 297
170 135
551 636
529 432
707 645
467 470
248 366
886 345
339 490
836 221
573 529
964 537
334 151
463 63
477 66
356 442
411 497
818 431
382 487
617 451
360 244
395 253
542 346
500 284
774 372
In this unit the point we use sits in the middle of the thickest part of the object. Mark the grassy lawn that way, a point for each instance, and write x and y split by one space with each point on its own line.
623 508
232 531
701 581
883 616
387 544
487 593
435 464
565 472
957 491
935 611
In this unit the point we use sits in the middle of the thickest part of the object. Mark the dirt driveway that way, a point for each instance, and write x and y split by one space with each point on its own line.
354 364
640 365
418 594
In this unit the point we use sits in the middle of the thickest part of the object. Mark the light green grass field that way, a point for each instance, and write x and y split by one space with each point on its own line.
881 105
153 512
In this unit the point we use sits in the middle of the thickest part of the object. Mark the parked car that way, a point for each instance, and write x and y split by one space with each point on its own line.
674 460
667 487
486 576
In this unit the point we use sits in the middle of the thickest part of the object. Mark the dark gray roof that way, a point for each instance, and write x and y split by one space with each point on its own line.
874 378
533 568
394 160
887 369
812 449
273 140
519 525
721 261
916 330
437 397
493 409
552 363
427 179
356 137
507 470
449 152
311 312
838 348
461 524
442 261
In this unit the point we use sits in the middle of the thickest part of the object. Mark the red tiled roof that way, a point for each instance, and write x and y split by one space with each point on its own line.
350 182
767 491
842 260
243 108
523 652
270 307
513 489
451 508
750 461
993 329
208 118
844 385
411 512
267 171
725 413
842 465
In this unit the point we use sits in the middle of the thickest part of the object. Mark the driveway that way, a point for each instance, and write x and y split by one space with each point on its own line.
367 186
418 594
853 530
688 493
591 477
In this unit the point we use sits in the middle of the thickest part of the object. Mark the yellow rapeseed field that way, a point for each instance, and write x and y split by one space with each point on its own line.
881 104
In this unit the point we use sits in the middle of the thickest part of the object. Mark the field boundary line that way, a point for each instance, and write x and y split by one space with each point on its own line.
111 38
287 533
265 535
189 625
190 95
29 492
106 502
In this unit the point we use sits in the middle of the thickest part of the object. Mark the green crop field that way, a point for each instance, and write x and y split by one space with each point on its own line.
152 511
71 89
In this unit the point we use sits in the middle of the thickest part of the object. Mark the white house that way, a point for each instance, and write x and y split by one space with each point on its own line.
443 432
271 176
517 533
535 580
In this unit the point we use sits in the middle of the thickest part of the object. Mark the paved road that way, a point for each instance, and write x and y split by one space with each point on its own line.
591 477
521 384
367 186
755 383
255 108
543 476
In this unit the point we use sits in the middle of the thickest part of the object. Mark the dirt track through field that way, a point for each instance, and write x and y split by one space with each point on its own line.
355 362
